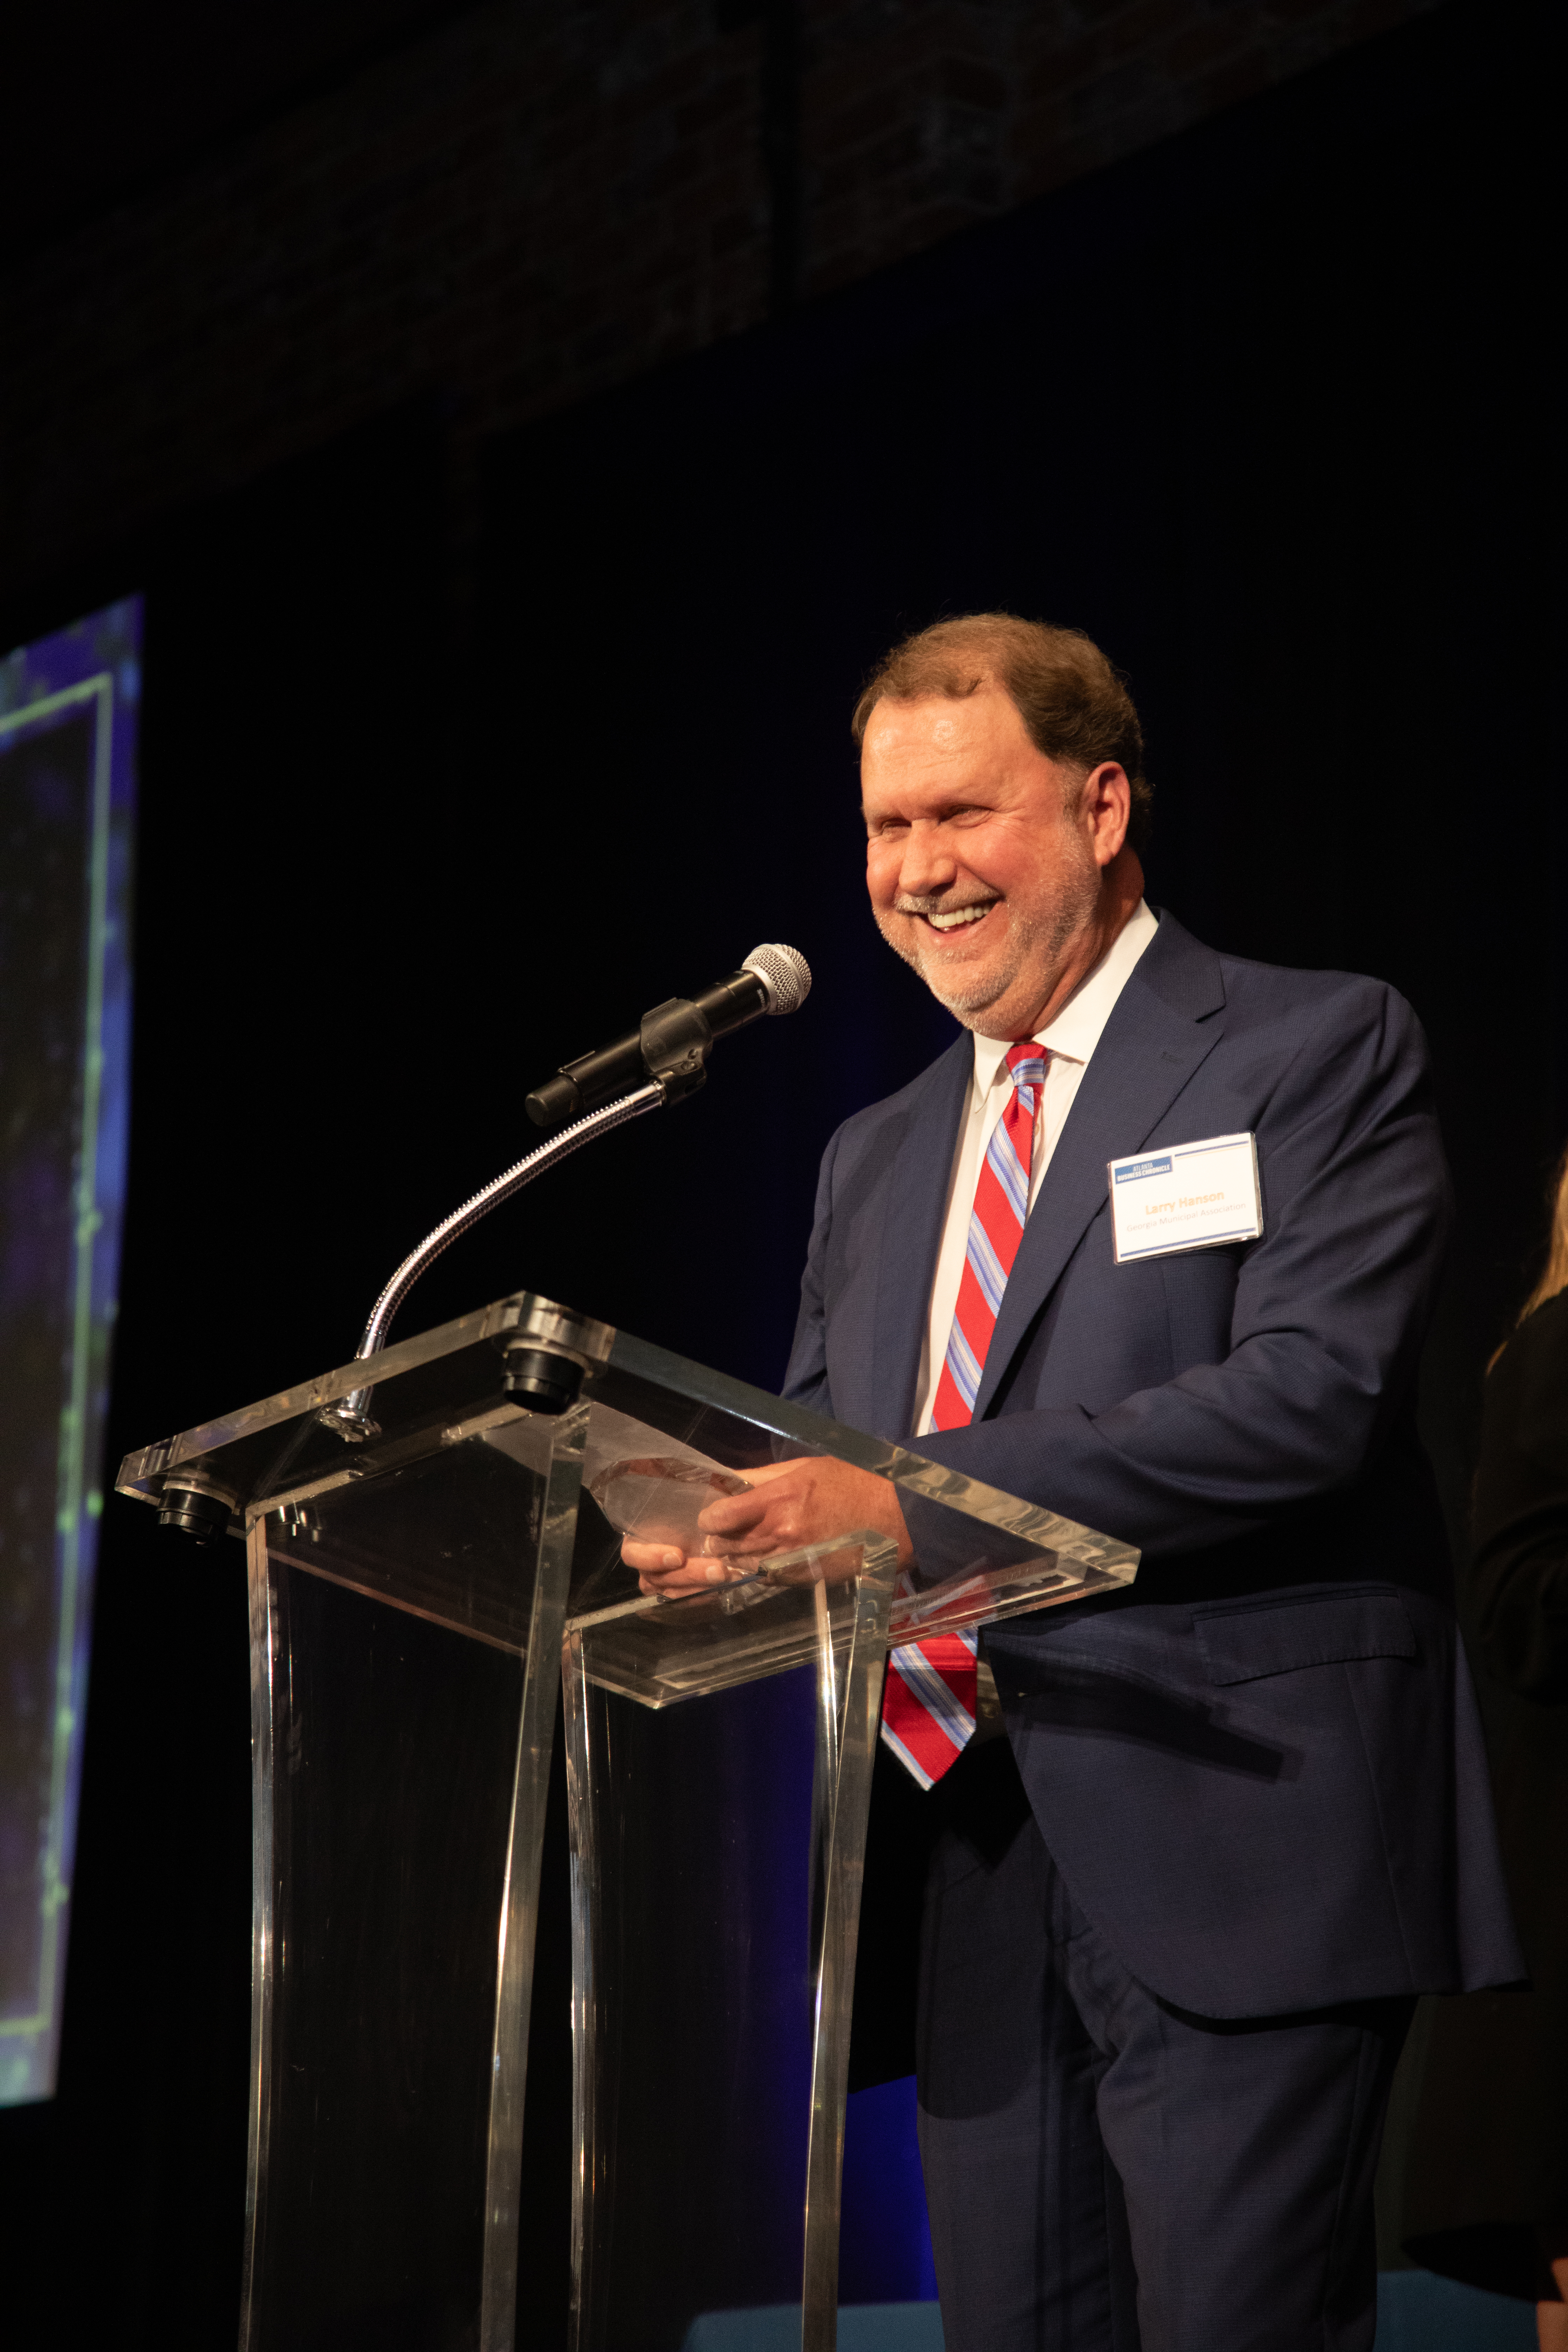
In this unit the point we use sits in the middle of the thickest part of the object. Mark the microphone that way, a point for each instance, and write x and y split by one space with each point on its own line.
672 1044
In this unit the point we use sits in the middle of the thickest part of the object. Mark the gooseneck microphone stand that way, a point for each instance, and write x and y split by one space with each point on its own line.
672 1046
351 1415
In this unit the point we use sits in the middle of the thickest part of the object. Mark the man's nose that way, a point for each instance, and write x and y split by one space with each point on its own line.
928 865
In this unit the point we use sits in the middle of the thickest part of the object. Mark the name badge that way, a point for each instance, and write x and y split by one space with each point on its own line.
1189 1197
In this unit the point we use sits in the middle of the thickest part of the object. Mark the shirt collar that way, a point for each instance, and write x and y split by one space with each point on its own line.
1076 1031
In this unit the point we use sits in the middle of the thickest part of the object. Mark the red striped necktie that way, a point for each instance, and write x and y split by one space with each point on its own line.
928 1705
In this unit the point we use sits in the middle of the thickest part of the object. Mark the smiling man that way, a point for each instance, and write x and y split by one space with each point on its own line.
1002 874
1172 1924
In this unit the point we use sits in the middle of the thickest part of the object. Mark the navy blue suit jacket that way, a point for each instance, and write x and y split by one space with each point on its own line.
1260 1767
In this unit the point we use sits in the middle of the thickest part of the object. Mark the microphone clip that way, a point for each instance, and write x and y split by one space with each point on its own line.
675 1040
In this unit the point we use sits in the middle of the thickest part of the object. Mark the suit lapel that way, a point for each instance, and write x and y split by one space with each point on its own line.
1165 1022
913 1203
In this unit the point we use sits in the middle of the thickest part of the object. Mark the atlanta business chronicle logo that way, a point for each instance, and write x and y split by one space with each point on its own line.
1129 1174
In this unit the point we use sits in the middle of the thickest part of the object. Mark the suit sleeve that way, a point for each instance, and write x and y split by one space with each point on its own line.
805 1380
1330 1312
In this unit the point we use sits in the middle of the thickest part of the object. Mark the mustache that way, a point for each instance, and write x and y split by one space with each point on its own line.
939 903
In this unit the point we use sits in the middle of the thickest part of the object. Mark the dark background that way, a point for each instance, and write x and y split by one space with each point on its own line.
1261 407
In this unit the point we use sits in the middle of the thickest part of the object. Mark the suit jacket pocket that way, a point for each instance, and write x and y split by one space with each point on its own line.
1241 1642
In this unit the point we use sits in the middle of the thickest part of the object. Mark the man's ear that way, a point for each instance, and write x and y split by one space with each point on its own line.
1107 802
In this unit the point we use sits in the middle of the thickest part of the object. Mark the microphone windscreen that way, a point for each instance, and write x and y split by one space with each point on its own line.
785 974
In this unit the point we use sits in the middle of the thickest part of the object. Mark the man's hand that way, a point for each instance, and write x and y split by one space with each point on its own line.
793 1503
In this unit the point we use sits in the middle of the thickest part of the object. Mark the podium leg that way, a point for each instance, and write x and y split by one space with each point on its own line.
268 1644
520 1900
849 1698
596 2040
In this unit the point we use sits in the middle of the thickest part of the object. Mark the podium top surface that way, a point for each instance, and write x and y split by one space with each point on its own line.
660 1432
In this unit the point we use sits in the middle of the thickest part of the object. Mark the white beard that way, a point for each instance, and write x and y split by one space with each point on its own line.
1038 937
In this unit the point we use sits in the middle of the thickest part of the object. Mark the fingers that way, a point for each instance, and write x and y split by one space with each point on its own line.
737 1530
797 1503
696 1576
760 1538
665 1571
646 1557
731 1515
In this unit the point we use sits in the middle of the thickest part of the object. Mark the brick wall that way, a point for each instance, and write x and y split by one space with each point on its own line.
528 203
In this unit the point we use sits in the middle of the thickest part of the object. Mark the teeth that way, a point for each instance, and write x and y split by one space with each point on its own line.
959 915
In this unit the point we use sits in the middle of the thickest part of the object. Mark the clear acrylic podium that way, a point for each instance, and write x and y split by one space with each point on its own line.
414 1602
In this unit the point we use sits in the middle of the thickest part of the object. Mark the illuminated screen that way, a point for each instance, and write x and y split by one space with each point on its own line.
67 766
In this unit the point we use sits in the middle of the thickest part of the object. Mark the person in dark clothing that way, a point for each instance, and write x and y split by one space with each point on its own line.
1174 1920
1486 2197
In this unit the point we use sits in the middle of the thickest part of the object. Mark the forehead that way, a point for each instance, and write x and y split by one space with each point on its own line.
941 741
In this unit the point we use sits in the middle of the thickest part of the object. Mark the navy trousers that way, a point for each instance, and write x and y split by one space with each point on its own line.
1106 2173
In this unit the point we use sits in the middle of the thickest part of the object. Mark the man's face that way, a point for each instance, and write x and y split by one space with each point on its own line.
983 863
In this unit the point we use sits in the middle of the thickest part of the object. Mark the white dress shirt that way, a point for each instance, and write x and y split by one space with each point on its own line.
1068 1040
